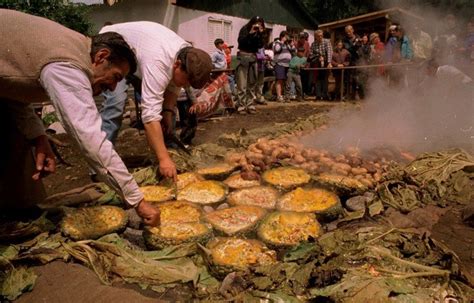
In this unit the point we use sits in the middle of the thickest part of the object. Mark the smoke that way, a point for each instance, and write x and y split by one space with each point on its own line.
435 115
422 113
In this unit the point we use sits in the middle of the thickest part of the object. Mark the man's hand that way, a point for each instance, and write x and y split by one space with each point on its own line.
154 135
168 168
44 158
197 108
149 214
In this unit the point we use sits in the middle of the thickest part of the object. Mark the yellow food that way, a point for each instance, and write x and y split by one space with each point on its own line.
93 222
180 231
219 171
175 234
240 253
187 178
308 200
261 196
236 219
342 180
157 193
178 212
203 192
288 228
286 177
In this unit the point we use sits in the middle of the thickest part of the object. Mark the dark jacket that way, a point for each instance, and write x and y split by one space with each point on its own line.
248 42
352 45
364 53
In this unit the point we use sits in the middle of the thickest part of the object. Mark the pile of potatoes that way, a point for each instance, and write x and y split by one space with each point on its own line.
263 154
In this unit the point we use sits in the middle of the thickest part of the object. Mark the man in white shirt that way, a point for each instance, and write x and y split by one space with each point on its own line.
41 59
165 64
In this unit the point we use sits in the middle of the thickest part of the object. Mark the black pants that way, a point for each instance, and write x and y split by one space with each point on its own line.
187 121
337 73
17 165
305 81
322 84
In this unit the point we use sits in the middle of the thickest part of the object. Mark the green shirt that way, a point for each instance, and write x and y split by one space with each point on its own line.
297 62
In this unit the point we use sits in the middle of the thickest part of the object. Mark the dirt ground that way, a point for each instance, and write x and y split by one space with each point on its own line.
61 282
133 148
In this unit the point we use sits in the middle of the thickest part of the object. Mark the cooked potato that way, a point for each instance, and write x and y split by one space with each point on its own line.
342 166
366 182
326 161
377 177
298 159
358 171
339 172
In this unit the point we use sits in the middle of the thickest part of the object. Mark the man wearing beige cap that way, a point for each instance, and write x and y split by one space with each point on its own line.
165 64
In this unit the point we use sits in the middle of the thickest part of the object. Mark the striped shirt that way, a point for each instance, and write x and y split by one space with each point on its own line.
282 53
322 48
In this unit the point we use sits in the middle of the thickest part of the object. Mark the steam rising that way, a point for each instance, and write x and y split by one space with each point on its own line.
429 115
437 114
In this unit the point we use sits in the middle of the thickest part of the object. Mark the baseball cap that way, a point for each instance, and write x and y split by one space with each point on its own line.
198 67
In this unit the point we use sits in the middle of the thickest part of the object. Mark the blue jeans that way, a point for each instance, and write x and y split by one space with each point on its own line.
231 82
112 110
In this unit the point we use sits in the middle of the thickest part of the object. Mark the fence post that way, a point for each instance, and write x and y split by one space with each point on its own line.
342 84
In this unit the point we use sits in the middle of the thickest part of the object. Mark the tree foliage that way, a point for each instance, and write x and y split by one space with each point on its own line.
332 10
71 15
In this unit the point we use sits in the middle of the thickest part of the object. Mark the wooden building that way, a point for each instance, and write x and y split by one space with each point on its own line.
378 22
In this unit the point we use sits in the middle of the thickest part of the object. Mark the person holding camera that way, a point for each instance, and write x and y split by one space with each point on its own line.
251 38
282 58
320 56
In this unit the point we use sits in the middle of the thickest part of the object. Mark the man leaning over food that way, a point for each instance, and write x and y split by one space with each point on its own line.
166 62
39 59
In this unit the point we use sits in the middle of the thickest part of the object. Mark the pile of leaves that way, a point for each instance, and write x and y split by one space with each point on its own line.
437 178
363 262
368 263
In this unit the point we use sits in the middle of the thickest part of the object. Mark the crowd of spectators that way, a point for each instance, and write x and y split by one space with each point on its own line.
291 69
301 70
